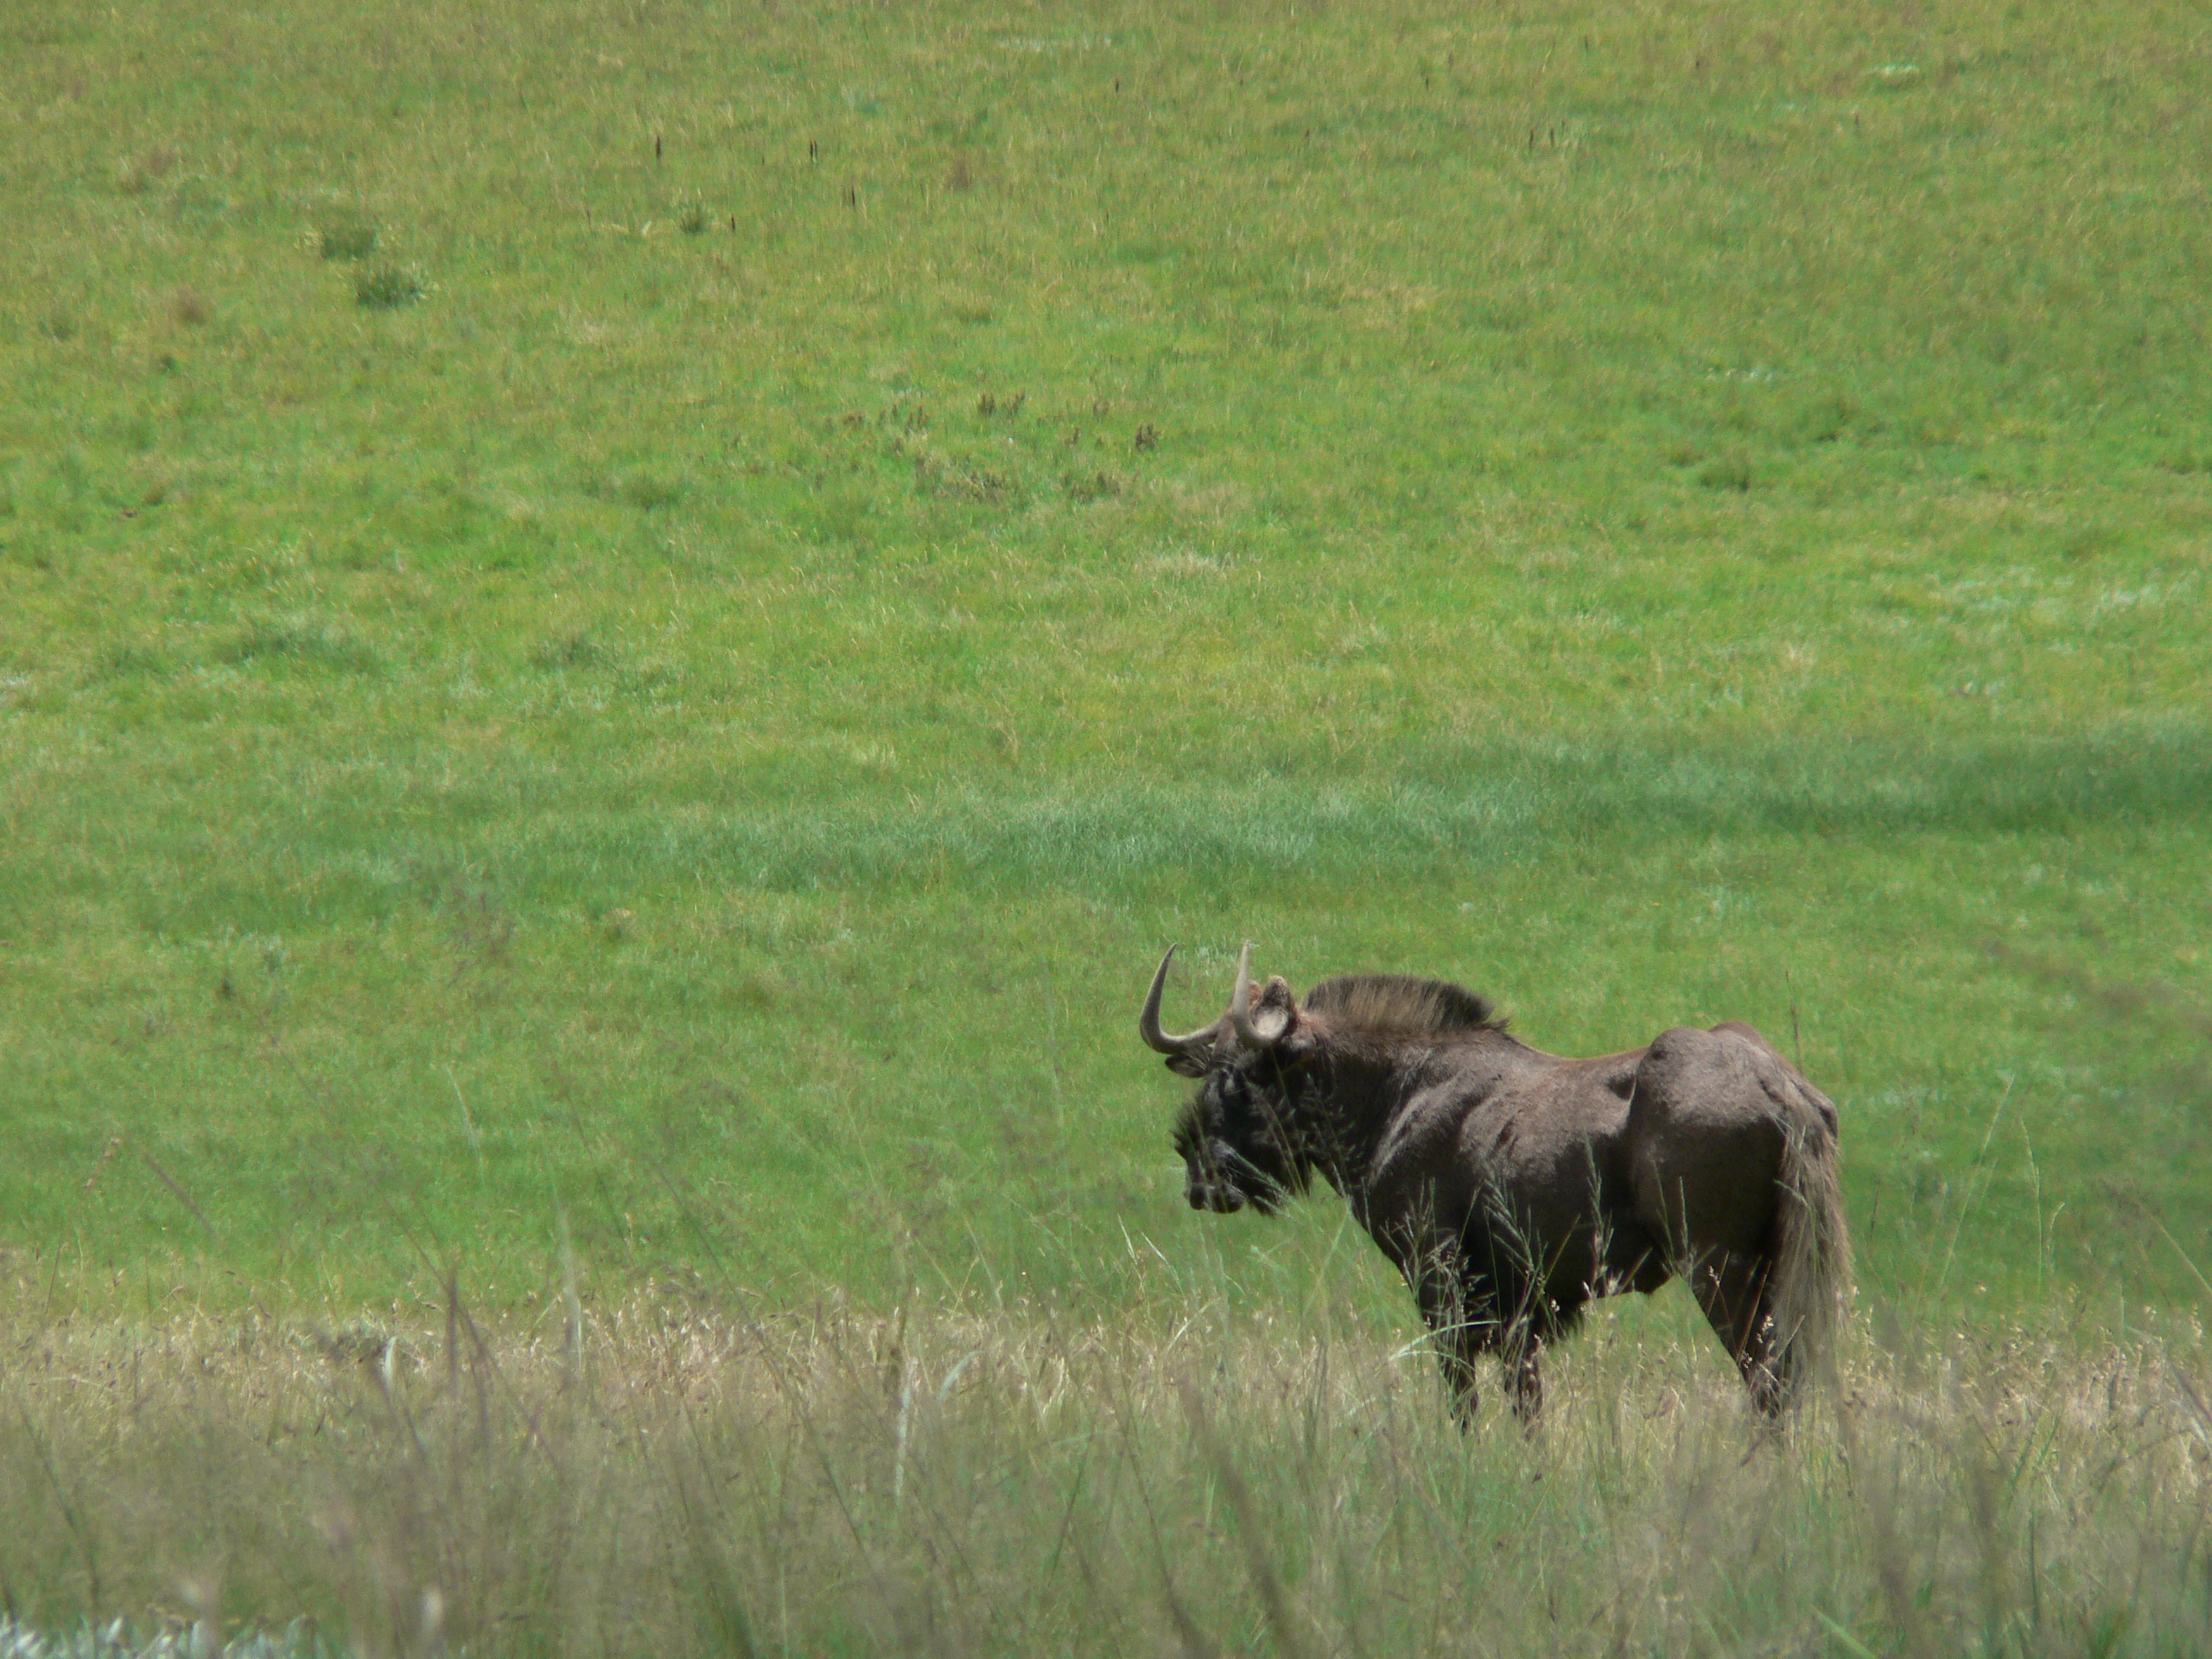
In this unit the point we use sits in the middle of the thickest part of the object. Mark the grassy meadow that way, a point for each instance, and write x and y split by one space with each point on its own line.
624 628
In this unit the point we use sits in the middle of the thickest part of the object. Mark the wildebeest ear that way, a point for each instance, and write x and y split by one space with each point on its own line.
1274 1011
1184 1066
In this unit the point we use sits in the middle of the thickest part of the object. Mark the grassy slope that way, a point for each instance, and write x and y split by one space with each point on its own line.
1660 518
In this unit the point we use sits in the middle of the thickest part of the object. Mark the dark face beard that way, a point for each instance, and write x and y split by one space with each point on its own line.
1225 1174
1235 1138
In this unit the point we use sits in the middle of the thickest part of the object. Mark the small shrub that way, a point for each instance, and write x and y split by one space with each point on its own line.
188 306
387 288
693 221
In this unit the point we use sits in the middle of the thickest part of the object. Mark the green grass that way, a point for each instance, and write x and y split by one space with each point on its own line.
686 720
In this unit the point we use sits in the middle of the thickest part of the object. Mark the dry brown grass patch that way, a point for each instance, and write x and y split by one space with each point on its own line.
655 1478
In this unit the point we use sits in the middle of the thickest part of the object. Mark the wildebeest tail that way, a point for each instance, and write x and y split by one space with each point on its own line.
1808 1276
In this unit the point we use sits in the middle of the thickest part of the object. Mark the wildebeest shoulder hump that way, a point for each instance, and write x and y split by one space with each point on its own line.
1402 1002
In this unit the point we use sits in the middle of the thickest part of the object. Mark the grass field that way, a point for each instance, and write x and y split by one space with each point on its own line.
623 629
646 619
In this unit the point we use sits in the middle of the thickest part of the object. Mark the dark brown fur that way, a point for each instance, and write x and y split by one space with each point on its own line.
1511 1186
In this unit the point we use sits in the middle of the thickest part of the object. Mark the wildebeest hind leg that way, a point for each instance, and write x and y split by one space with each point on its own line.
1731 1289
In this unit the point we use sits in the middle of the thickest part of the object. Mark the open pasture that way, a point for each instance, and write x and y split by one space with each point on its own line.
624 629
694 705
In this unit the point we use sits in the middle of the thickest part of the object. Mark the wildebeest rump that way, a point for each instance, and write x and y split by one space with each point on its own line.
1511 1186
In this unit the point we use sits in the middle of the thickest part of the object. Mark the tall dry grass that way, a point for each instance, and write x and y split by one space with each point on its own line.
654 1479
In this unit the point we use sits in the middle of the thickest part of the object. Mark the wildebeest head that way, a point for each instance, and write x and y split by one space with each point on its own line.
1234 1134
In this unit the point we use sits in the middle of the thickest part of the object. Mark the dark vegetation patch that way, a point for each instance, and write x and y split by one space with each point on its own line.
648 489
387 288
576 649
304 645
1084 488
341 237
132 662
1729 471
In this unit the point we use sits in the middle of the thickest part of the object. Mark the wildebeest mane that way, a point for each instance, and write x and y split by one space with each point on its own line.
1401 1002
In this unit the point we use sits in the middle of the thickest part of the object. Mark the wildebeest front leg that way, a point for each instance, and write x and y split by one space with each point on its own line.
1524 1374
1441 1293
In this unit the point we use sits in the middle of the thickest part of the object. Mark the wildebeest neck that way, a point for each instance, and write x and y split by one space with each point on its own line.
1351 1098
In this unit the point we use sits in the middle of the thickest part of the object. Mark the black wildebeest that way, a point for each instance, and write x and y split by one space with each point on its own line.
1511 1186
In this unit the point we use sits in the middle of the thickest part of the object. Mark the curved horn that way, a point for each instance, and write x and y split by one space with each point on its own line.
1148 1020
1240 1003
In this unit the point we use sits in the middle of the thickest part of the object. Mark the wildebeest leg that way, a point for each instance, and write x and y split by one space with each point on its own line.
1442 1295
1457 1344
1731 1289
1524 1374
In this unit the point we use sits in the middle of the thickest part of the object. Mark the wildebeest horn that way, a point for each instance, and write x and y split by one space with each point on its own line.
1148 1021
1240 1003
